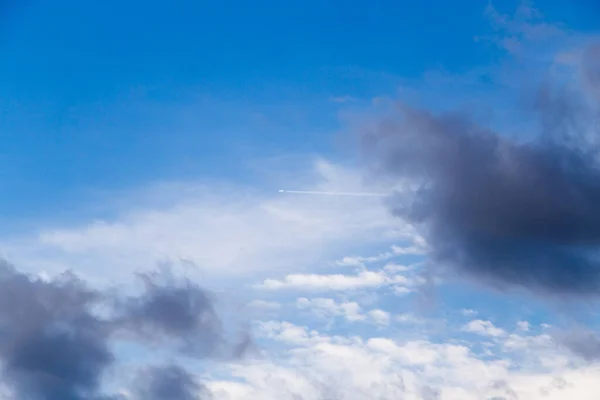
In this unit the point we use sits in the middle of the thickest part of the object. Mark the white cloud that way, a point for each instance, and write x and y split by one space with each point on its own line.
314 366
520 343
393 268
402 290
350 310
318 282
484 328
523 326
329 308
416 248
221 228
343 282
358 261
380 317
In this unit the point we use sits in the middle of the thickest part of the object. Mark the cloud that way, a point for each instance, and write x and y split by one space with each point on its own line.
523 326
384 368
409 318
525 26
485 328
500 390
467 312
380 317
57 335
171 309
364 279
52 346
221 229
305 361
513 213
582 343
329 308
349 310
418 247
169 382
429 393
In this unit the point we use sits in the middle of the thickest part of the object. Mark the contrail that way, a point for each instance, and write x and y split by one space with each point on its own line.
333 193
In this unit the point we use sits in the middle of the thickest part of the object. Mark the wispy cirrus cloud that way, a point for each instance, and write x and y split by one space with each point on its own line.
220 228
525 26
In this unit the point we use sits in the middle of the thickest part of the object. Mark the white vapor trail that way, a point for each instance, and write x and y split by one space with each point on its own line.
333 193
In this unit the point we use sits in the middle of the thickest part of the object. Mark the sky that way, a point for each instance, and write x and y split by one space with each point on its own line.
149 253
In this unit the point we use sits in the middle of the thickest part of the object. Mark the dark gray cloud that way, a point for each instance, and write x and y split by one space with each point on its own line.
52 347
512 213
169 382
173 310
56 335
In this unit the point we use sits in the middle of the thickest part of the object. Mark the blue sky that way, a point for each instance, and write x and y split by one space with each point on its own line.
133 93
137 133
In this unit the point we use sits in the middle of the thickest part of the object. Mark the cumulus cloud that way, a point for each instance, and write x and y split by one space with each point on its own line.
380 317
328 308
513 213
401 368
363 279
485 328
349 310
523 325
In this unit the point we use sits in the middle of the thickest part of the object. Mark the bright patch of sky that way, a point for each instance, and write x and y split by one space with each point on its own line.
137 134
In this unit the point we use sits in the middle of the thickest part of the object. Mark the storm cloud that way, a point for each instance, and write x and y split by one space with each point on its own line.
513 213
52 346
174 311
56 335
